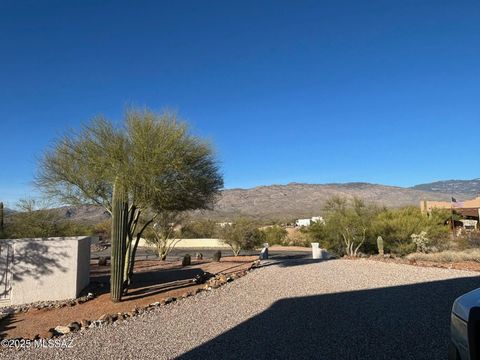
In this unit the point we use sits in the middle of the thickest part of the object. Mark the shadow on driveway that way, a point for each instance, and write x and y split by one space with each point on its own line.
401 322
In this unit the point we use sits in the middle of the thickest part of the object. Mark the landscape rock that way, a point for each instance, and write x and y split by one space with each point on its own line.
74 326
105 318
169 300
217 255
62 329
187 260
85 323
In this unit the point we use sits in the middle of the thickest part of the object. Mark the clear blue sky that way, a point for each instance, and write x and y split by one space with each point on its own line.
305 91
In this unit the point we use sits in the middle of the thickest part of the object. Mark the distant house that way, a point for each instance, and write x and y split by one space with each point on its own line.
308 222
469 210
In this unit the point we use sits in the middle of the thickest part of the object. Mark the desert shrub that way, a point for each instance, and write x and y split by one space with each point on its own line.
396 227
103 229
33 220
466 240
241 235
199 229
275 235
163 234
348 227
422 242
298 238
447 256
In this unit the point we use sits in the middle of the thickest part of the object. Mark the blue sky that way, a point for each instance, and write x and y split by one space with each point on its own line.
288 91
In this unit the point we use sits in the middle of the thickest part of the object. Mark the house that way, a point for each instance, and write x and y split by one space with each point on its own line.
469 210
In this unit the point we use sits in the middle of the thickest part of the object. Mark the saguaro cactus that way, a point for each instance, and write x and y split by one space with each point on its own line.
1 217
380 245
119 238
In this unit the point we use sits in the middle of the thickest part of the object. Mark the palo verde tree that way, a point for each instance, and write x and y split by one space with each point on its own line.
153 159
241 235
348 223
163 234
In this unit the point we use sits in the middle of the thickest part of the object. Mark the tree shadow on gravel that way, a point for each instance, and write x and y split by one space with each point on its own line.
148 283
401 322
290 260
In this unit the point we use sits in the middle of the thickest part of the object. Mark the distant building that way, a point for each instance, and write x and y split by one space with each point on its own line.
308 222
469 210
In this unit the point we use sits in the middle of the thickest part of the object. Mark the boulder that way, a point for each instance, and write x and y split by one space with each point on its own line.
74 326
85 323
187 260
62 329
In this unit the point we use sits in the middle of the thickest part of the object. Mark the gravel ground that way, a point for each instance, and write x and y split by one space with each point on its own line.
297 309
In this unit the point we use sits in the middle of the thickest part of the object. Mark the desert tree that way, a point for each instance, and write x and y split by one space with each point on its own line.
34 219
275 234
241 235
348 222
154 161
163 233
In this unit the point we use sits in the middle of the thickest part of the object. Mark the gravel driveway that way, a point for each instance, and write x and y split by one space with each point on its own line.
298 309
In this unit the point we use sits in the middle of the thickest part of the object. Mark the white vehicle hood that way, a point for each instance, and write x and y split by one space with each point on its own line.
463 304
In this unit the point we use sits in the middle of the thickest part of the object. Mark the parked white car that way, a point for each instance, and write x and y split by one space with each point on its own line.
465 327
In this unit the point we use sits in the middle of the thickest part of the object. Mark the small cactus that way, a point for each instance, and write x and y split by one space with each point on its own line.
380 245
187 260
217 255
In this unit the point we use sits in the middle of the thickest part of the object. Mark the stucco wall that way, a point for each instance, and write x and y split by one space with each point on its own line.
48 269
427 205
194 243
83 262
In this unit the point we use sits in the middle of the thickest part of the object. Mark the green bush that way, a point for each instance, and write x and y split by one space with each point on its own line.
241 235
275 235
348 227
353 226
396 226
34 222
199 229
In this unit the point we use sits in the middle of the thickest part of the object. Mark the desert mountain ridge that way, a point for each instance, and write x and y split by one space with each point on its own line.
470 188
295 200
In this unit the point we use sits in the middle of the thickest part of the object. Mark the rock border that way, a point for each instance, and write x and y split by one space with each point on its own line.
15 309
211 282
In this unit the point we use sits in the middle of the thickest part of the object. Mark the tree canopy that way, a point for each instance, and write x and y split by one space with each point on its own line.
158 163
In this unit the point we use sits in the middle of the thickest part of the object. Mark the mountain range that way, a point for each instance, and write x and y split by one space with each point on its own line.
304 200
470 188
298 200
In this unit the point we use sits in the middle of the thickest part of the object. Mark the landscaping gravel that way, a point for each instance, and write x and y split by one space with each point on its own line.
296 309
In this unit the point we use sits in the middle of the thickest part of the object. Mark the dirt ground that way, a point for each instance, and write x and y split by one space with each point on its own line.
152 281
